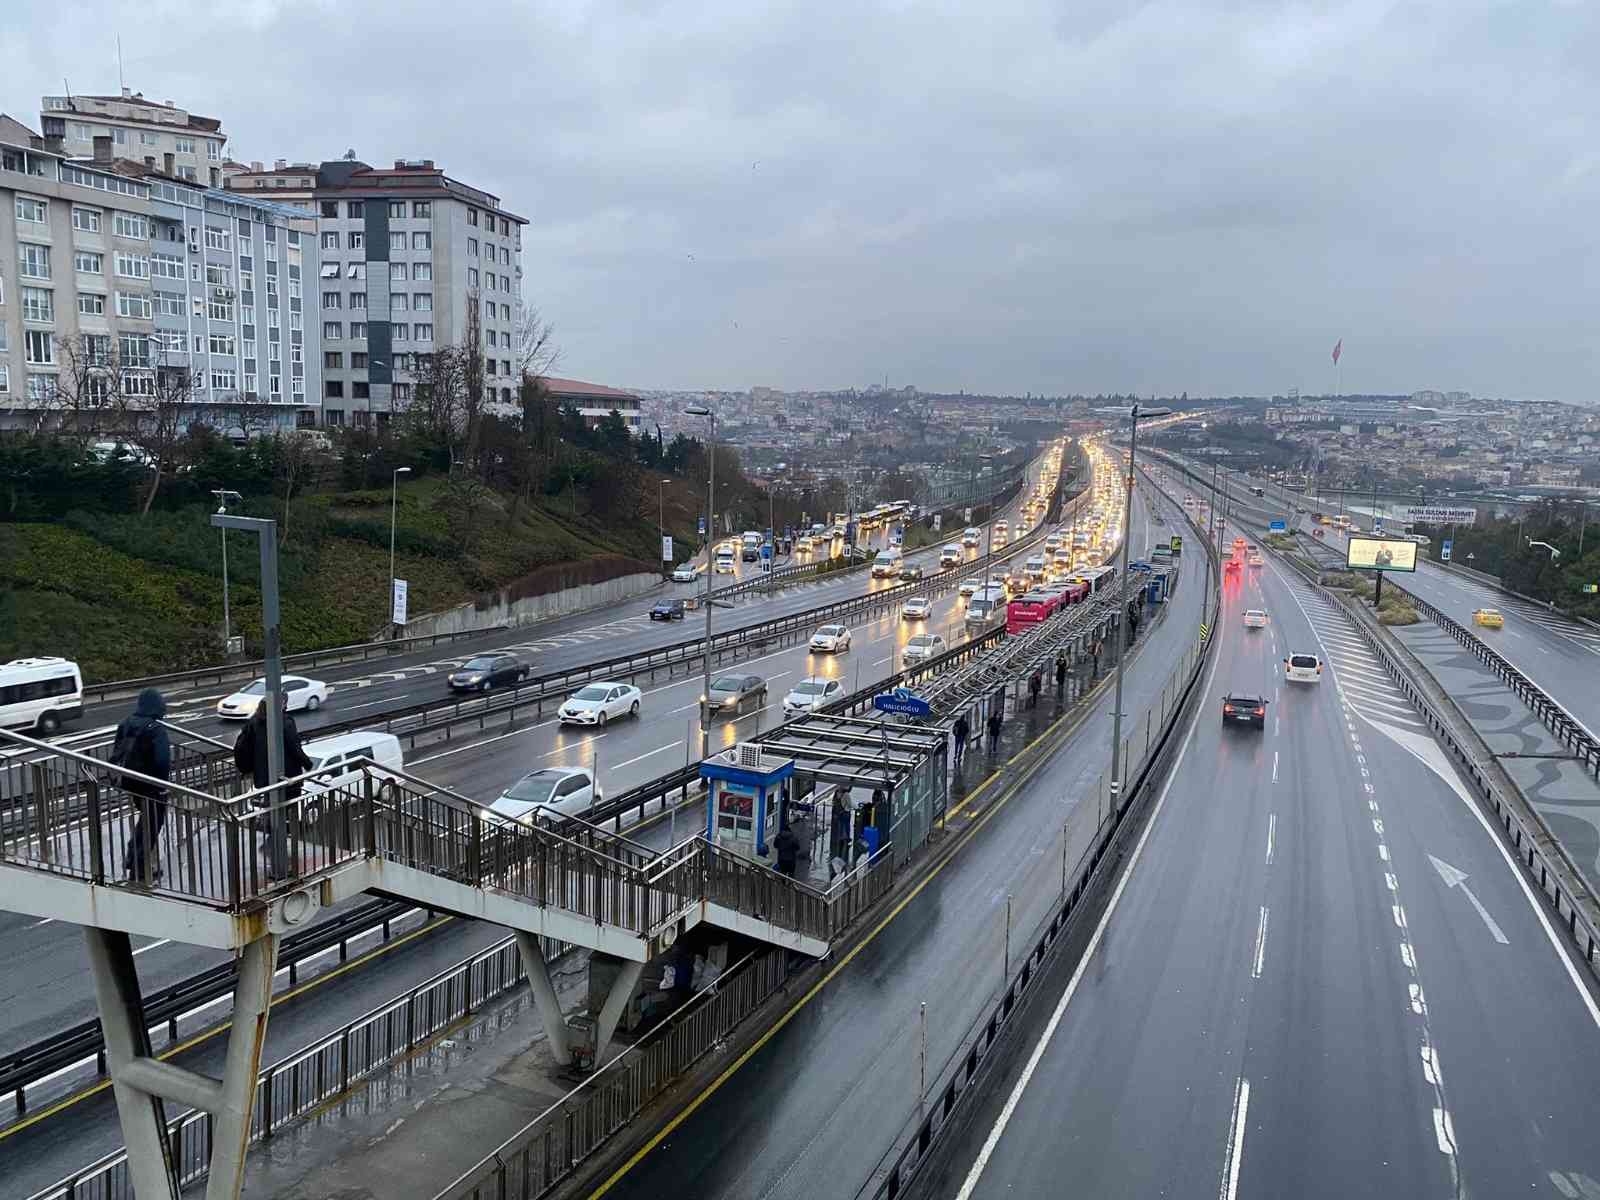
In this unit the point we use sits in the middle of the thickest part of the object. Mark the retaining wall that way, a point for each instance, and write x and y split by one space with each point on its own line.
498 610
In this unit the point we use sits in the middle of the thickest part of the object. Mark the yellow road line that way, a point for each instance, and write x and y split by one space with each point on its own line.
171 1051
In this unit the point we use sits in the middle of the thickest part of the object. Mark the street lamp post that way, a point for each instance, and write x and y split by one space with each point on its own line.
1135 415
661 518
394 496
988 549
222 495
701 410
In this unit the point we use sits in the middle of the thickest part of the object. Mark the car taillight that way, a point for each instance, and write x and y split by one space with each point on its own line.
1227 708
1261 712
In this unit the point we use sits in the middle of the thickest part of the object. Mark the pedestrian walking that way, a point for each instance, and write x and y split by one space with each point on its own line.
1061 673
787 847
142 745
995 721
1034 685
250 749
962 731
1096 674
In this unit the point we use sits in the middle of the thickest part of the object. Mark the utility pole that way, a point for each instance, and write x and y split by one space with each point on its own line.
701 410
222 495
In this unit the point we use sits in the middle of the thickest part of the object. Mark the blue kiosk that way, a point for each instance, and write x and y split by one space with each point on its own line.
744 793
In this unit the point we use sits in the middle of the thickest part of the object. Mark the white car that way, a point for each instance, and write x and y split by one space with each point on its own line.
950 556
918 608
724 564
811 694
1302 668
830 639
1255 618
923 647
685 574
549 792
971 537
299 692
598 703
967 588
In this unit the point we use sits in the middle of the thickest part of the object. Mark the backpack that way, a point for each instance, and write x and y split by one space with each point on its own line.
132 749
244 751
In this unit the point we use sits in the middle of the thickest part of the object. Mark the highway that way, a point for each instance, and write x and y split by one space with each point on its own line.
51 988
812 1109
1322 976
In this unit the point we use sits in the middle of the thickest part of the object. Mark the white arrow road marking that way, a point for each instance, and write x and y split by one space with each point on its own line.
1454 877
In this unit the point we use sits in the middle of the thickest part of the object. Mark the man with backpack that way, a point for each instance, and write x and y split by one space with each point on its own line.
250 756
142 745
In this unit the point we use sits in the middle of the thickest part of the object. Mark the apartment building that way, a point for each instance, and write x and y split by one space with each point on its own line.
411 260
140 269
161 136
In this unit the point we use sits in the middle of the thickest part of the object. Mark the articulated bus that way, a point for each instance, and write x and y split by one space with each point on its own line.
1098 578
1029 610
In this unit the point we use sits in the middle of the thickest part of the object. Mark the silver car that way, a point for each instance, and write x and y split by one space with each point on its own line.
730 693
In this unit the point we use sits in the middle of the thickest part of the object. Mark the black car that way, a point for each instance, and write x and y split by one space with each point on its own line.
487 671
910 573
1244 710
667 610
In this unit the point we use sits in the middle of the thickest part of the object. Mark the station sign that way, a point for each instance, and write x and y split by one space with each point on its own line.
1278 526
902 701
1440 514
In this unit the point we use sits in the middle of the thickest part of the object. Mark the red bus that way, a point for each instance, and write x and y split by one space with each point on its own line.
1077 590
1098 578
1030 610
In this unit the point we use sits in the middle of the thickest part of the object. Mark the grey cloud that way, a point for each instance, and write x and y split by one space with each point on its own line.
998 196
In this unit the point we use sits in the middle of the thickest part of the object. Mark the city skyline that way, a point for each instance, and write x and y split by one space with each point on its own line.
721 200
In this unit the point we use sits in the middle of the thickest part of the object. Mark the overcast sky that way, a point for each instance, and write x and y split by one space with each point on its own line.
997 196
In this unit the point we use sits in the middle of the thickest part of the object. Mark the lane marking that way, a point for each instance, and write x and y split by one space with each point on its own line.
1261 944
1233 1154
152 946
648 753
1272 835
1004 1119
1274 765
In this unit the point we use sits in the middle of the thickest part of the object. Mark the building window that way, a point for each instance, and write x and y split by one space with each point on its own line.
133 266
488 366
397 271
422 302
29 209
401 393
422 241
220 310
423 273
91 304
274 385
398 302
358 240
397 241
168 304
358 330
332 331
358 361
472 277
39 347
35 261
134 349
358 300
424 333
222 343
333 359
421 208
400 333
214 151
330 240
505 366
472 216
333 418
356 210
244 227
505 283
38 304
505 312
397 209
488 279
505 257
224 381
356 270
183 145
218 239
332 300
360 390
165 266
330 270
472 247
218 275
86 220
41 387
333 388
330 208
85 262
127 225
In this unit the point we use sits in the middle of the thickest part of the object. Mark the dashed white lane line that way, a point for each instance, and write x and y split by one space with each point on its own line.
1272 836
647 754
1233 1152
1261 944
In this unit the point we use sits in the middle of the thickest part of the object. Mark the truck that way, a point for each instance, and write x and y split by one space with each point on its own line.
887 563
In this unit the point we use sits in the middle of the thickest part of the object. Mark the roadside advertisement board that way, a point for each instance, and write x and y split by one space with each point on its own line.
1380 554
1440 514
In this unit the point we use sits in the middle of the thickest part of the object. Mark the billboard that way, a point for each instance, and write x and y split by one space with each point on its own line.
1440 514
1381 554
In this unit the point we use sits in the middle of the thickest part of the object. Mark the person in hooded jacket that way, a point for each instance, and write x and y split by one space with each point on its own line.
142 745
250 748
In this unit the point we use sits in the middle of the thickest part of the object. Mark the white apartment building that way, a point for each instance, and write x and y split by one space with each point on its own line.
161 136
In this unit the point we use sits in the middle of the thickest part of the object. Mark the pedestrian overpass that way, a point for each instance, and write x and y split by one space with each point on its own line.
238 872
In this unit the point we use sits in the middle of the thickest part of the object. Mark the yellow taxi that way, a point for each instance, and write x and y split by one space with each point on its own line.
1489 618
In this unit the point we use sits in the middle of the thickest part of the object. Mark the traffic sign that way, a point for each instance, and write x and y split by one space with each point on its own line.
1277 526
1590 589
398 602
903 701
666 548
702 525
1444 549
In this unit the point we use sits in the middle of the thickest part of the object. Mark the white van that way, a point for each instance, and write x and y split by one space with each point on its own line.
1034 568
887 563
1302 668
971 536
343 755
40 693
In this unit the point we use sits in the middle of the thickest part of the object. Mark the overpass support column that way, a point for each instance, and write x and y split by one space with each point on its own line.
611 1011
140 1081
544 996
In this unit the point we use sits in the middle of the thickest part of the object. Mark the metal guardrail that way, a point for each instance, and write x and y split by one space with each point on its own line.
31 1065
1557 719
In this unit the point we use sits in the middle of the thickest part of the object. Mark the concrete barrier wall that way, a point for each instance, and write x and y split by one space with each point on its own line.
498 611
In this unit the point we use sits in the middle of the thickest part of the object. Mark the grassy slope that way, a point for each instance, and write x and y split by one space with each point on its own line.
128 597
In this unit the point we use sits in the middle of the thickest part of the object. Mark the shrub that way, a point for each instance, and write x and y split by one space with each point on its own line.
1399 614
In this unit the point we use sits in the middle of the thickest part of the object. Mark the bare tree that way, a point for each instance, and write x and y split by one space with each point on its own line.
295 457
473 393
463 501
535 343
87 387
153 409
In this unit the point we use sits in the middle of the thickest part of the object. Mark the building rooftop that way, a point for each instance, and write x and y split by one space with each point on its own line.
577 387
163 113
